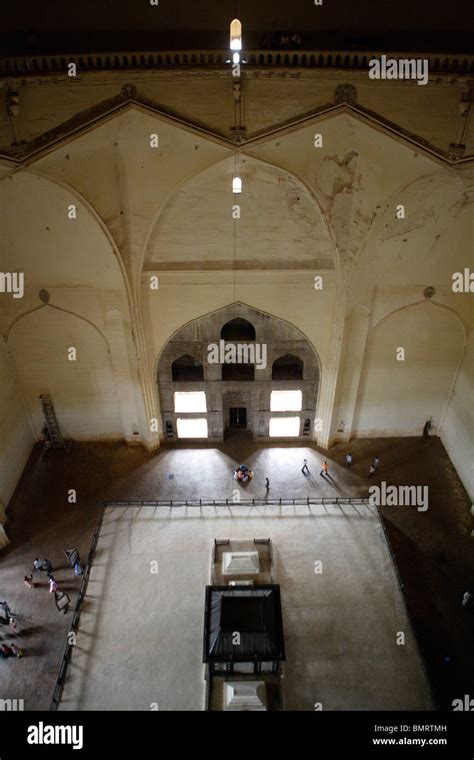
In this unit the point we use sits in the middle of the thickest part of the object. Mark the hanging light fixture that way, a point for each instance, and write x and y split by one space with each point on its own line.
236 185
235 35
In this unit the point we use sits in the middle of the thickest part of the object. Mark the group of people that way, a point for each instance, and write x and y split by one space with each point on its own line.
348 460
11 649
373 467
61 599
243 474
40 566
46 566
281 41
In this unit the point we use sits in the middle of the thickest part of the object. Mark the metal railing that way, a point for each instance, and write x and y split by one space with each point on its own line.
58 689
254 502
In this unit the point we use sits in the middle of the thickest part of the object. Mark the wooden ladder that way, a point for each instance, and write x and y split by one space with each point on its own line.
53 439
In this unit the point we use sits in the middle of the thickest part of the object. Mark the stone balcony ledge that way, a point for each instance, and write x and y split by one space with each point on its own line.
11 66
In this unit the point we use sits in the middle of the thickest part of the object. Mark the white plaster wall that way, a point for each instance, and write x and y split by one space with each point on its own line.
457 430
279 223
40 240
397 397
76 262
126 382
83 392
16 439
355 337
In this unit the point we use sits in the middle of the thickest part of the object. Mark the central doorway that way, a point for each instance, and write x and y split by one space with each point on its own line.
237 417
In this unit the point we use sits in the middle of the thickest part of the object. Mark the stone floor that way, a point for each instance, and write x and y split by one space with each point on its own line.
140 637
433 549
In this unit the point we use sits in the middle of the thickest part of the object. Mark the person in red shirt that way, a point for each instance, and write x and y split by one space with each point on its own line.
6 651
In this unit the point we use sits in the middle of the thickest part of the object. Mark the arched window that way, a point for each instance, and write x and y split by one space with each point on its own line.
238 329
236 35
187 369
236 185
287 367
238 372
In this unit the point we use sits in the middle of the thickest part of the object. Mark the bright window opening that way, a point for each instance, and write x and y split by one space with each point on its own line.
284 427
236 35
286 401
236 185
192 401
192 428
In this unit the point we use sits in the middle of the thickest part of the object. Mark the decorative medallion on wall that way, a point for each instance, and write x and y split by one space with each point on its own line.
44 295
455 152
429 292
129 91
345 93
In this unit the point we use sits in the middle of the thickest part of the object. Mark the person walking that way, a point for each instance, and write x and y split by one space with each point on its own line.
348 460
371 470
376 463
267 484
53 586
28 581
325 469
466 599
37 565
47 566
7 611
305 468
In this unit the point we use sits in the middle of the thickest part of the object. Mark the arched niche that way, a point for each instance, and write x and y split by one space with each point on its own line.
238 384
287 367
238 329
187 369
411 360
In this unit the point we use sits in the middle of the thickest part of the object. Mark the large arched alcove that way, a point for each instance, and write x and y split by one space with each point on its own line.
240 388
411 361
281 222
83 390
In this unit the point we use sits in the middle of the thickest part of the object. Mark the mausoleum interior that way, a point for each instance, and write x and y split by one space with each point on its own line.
230 259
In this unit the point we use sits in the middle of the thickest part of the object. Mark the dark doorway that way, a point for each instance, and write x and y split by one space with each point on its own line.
238 418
